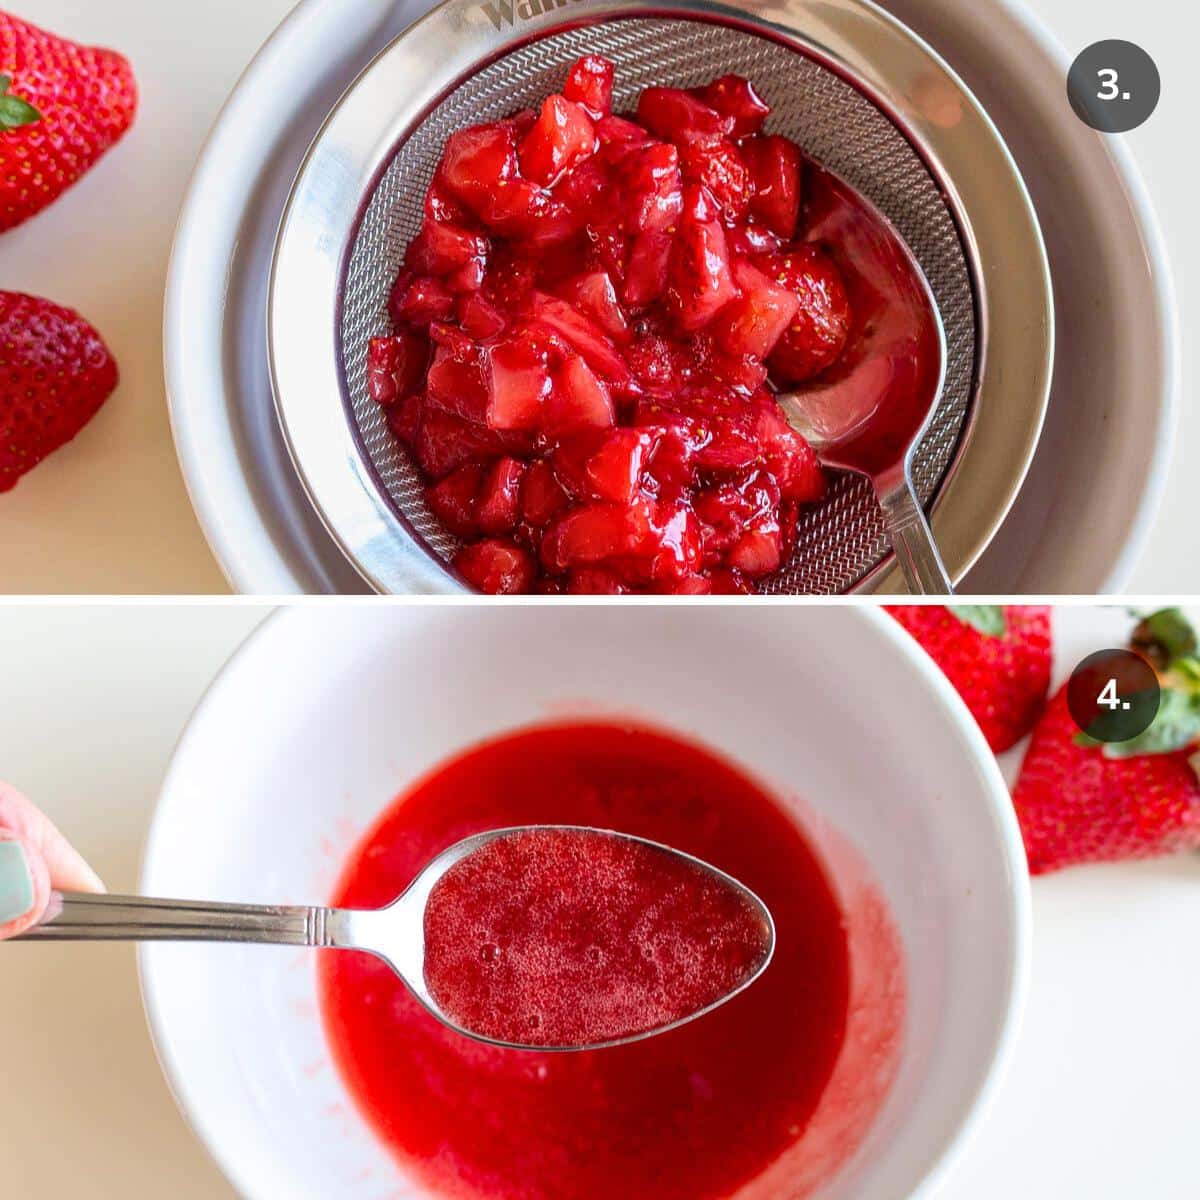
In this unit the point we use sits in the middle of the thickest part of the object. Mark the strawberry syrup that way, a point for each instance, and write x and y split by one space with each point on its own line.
762 1098
570 937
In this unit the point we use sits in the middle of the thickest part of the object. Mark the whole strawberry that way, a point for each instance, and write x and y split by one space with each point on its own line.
55 373
998 659
1079 801
61 107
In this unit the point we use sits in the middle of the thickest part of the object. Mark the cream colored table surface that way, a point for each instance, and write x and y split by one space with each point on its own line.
109 513
1100 1101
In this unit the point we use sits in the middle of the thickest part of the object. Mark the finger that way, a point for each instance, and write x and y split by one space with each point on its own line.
35 860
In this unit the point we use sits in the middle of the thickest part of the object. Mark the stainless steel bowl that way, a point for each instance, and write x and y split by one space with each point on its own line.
852 86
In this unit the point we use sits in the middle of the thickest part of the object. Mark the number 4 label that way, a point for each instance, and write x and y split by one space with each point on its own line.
1108 697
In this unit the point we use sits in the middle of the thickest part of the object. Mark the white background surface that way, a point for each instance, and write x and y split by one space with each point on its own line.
109 513
1100 1102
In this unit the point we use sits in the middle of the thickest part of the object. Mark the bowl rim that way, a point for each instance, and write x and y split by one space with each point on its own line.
970 162
957 1133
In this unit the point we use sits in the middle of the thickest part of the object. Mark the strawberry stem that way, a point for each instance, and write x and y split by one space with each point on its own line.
14 112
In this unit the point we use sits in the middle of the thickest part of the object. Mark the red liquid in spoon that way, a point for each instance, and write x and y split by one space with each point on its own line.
564 937
732 1104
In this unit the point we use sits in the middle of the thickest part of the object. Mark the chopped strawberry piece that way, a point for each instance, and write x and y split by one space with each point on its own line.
692 585
729 583
404 420
579 400
594 581
617 131
593 295
562 135
757 552
542 496
445 442
677 116
584 336
675 534
789 457
660 365
419 301
518 383
648 186
396 366
455 500
647 269
456 380
817 335
756 320
594 533
496 567
476 162
774 164
479 317
700 280
500 496
590 83
719 167
735 97
468 278
614 471
441 248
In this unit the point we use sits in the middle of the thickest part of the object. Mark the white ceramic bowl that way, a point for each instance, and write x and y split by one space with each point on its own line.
325 714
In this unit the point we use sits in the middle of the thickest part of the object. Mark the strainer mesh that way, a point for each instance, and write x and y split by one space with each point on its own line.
841 539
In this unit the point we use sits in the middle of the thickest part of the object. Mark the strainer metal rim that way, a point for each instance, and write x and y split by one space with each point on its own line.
855 39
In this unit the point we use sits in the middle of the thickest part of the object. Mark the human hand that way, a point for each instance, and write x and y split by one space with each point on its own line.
35 860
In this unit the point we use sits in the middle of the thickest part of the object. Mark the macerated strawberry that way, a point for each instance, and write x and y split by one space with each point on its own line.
64 106
479 317
455 500
590 83
562 135
585 336
476 162
396 366
756 320
419 301
457 380
55 374
603 298
542 496
998 660
579 400
719 167
677 116
500 496
648 185
774 165
817 335
518 382
735 97
593 295
700 277
594 581
646 272
496 567
441 248
614 471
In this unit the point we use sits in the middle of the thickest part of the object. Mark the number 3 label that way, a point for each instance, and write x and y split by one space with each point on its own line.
1109 91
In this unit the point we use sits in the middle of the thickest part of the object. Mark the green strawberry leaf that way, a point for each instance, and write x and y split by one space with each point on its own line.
987 618
1176 727
15 112
1165 636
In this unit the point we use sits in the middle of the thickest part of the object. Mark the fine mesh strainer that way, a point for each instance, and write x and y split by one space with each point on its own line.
858 92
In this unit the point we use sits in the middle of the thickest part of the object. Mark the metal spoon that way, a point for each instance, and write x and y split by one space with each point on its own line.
394 934
870 410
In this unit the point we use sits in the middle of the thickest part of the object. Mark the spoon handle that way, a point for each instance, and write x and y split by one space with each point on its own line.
80 917
912 540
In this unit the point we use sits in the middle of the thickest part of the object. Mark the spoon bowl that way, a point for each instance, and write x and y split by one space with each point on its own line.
395 934
868 412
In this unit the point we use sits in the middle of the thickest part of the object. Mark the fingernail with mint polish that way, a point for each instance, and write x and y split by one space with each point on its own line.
16 882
